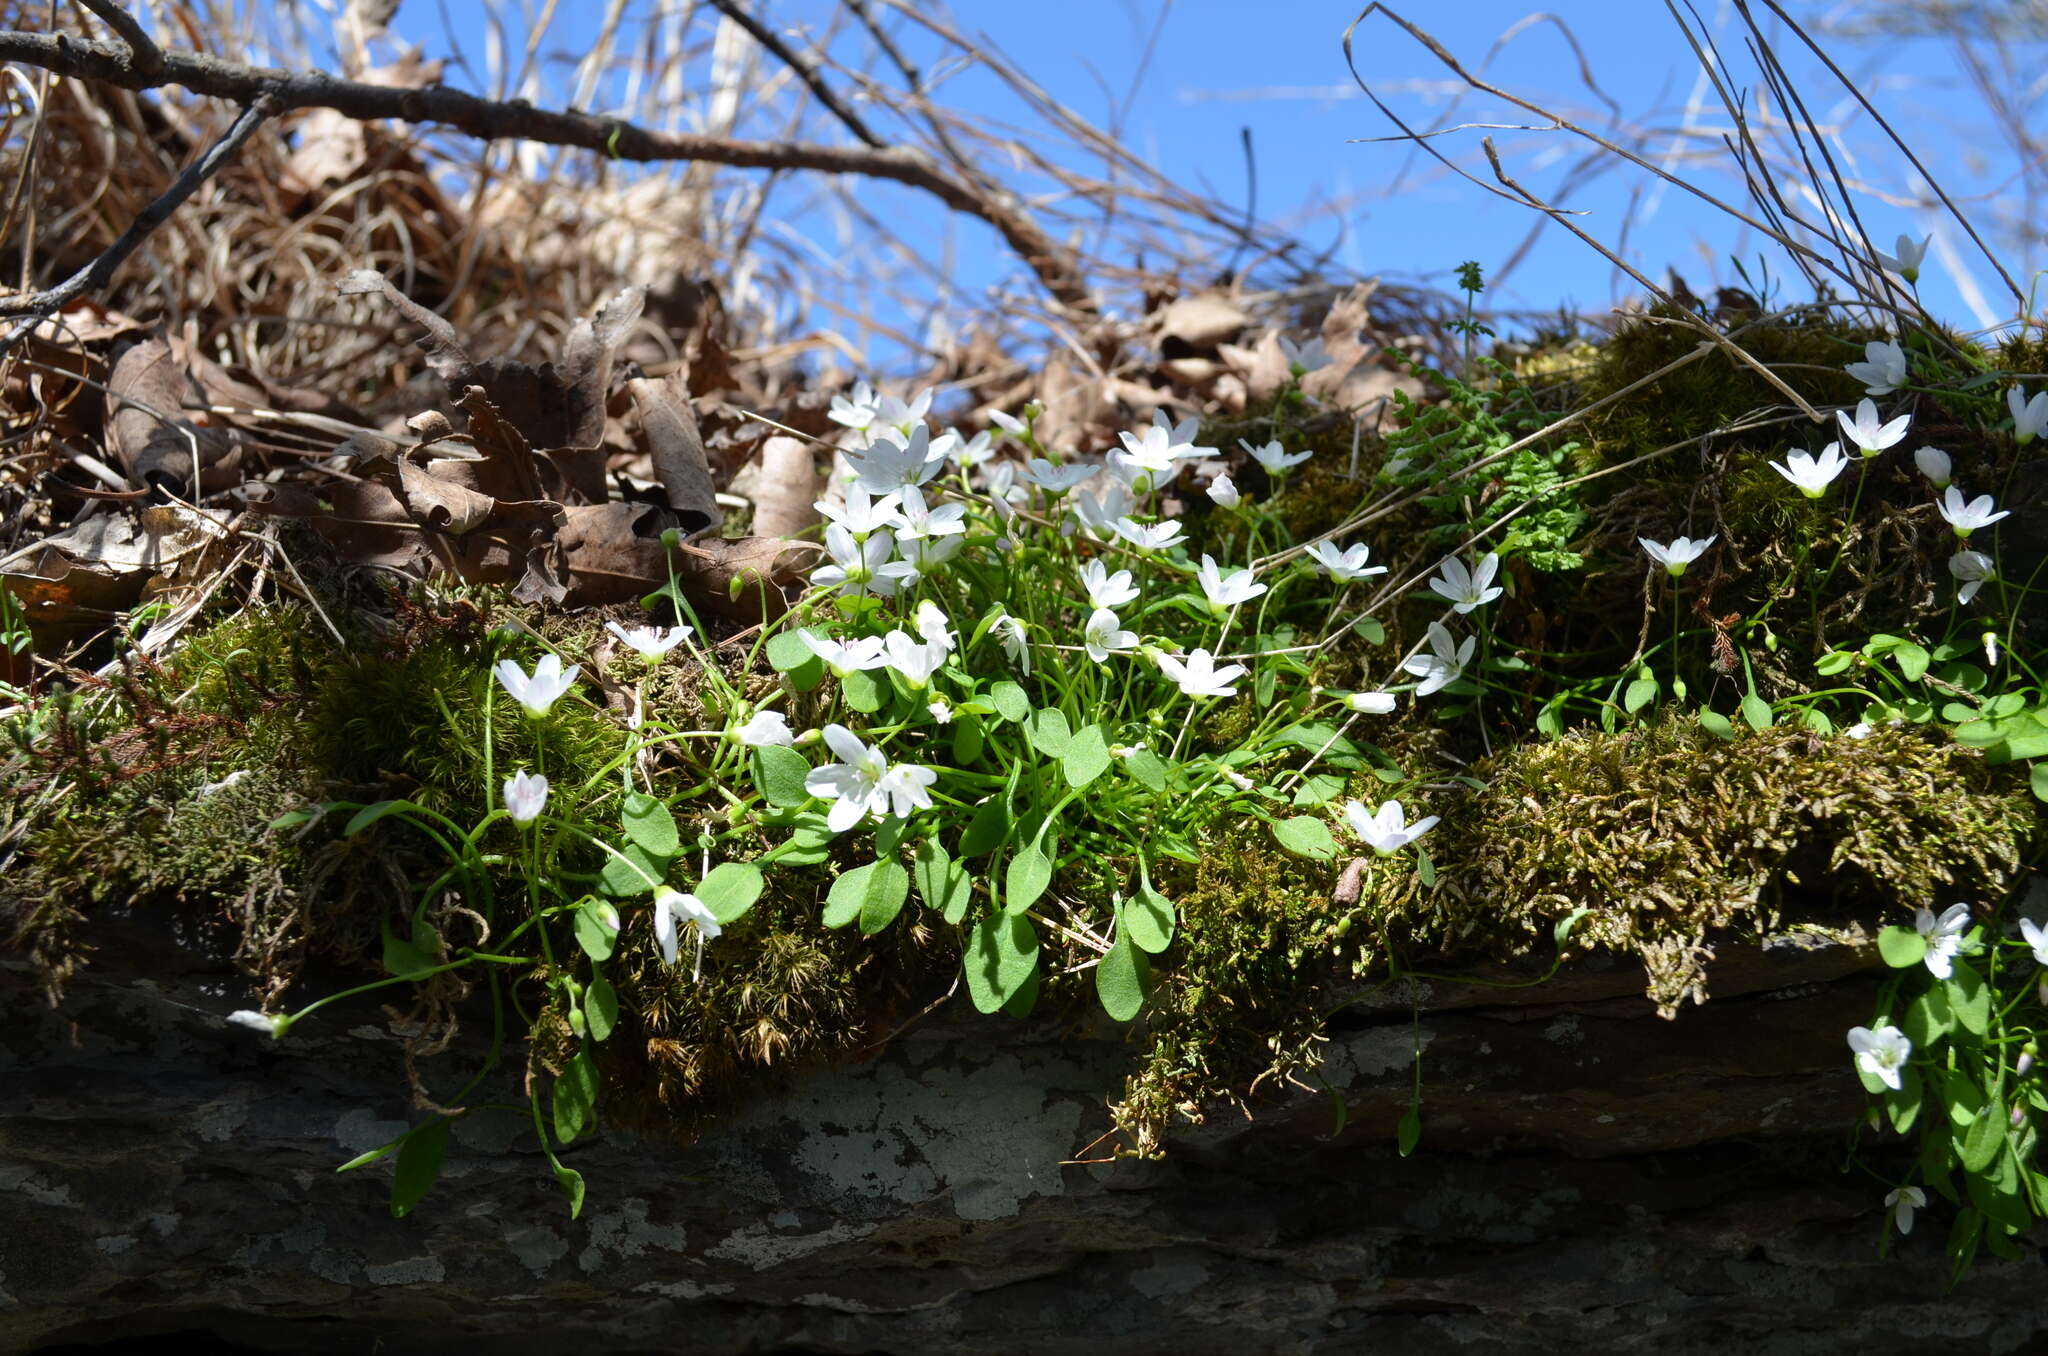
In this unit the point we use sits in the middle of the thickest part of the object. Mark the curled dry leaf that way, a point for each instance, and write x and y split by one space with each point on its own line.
784 487
76 582
1350 885
1199 322
668 428
154 444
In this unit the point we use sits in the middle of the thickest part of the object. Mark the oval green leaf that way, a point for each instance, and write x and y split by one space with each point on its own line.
730 890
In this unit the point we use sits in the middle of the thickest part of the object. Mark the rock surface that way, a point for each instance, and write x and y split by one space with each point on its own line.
1590 1178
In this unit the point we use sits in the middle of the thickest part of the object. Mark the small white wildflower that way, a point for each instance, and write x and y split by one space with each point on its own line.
1106 589
862 513
1903 1201
1813 474
1226 591
1059 479
1386 829
2029 417
540 690
1966 518
916 660
1467 589
1371 703
1104 636
1198 675
525 795
272 1027
1147 537
1971 569
1223 492
765 728
965 453
888 466
1305 358
1444 664
650 642
940 711
1881 1053
1347 564
863 784
1944 936
855 564
1275 458
1904 260
673 907
857 411
1682 552
1870 434
1935 465
1883 369
1860 730
2036 938
932 624
1016 643
846 656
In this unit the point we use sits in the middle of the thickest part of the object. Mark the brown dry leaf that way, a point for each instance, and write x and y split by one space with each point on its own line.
1262 367
1199 322
76 582
784 487
1344 340
147 434
669 436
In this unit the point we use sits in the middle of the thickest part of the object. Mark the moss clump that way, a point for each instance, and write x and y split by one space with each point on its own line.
1669 836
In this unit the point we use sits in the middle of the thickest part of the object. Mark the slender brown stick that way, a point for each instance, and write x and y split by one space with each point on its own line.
488 119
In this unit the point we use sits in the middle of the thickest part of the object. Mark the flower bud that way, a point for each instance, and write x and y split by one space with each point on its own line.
671 539
576 1023
2019 1116
2025 1063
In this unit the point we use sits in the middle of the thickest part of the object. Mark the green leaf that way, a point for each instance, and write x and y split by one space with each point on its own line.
1048 732
1319 788
988 829
864 690
808 845
1903 1106
1020 1003
2038 779
571 1182
1833 662
291 819
1011 703
1029 873
632 872
1716 724
1148 920
1550 720
1374 633
942 883
1639 694
419 1163
1928 1019
787 650
1562 931
1087 756
601 1008
967 739
1425 866
1002 953
730 890
779 773
1984 1139
1148 769
575 1096
402 958
865 893
1306 836
1969 998
592 931
1263 685
1911 659
649 825
1408 1133
1121 977
1756 711
1902 948
370 814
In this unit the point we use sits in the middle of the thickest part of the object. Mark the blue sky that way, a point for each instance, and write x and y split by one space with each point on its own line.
1277 68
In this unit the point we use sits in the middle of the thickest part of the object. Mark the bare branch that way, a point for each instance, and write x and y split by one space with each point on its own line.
804 70
143 53
110 63
35 306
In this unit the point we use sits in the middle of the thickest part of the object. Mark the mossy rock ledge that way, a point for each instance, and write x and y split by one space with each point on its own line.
1590 1177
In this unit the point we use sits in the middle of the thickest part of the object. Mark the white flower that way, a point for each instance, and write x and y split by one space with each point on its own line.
1813 474
1058 479
887 466
1883 369
1098 510
765 728
914 520
1347 564
941 712
1467 589
2036 938
525 794
1870 434
1146 537
1386 829
257 1021
1274 457
543 688
1103 636
846 656
1198 675
965 453
650 641
921 555
1944 936
1935 465
858 411
905 419
1226 591
1967 518
1881 1053
862 513
2029 417
1971 569
1303 359
1680 553
1443 665
1223 492
999 485
1106 589
1155 452
1904 260
1371 703
672 906
1010 424
931 624
1860 730
856 565
1903 1201
915 659
862 785
1016 644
